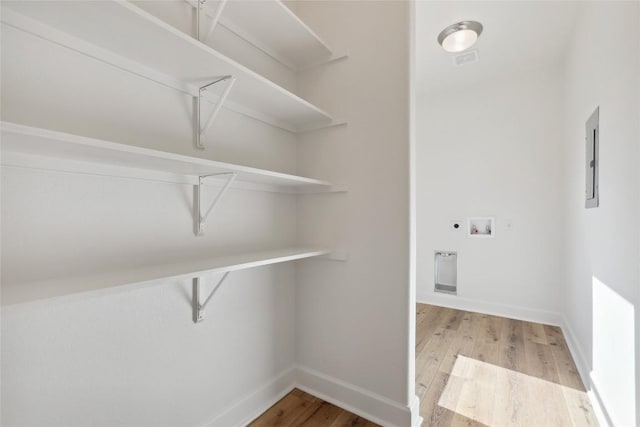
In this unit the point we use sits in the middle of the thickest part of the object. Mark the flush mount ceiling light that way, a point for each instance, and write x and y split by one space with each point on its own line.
460 36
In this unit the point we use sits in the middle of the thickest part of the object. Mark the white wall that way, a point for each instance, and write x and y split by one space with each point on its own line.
603 245
494 149
353 318
134 357
526 166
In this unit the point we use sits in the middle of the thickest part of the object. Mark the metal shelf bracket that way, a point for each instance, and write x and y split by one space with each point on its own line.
215 18
198 309
200 217
202 129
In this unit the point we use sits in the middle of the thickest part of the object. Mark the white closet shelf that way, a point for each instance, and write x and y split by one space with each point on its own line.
275 29
123 35
25 146
16 292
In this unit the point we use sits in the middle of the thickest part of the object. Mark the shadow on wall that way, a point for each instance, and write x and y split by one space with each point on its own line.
613 365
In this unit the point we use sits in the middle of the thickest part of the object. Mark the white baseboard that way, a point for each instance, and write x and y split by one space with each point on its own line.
248 408
364 403
503 310
416 418
584 370
380 409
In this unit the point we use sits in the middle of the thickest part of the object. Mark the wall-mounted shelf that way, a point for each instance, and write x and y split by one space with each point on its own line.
123 35
273 28
25 146
15 292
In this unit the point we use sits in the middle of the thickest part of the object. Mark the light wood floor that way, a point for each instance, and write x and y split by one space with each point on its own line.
472 370
481 370
301 409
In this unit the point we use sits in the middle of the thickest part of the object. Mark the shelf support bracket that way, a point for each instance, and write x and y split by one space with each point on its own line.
202 129
200 217
215 18
198 309
199 6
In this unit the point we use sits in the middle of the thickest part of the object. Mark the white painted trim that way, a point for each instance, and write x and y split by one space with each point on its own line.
352 398
248 408
576 351
585 373
495 309
362 402
598 404
380 409
412 175
414 408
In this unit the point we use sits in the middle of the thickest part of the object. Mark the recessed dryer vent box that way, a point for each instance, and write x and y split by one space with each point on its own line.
481 227
446 272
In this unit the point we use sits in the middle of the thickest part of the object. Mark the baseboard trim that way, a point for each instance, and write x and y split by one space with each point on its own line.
352 398
598 405
250 407
576 351
584 370
485 307
414 408
380 409
358 400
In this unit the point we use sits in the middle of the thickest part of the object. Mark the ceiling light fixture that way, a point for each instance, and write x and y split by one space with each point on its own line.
460 36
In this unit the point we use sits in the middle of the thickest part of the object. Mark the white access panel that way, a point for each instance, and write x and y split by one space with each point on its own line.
446 272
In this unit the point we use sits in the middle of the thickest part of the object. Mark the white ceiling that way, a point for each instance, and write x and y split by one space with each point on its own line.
518 35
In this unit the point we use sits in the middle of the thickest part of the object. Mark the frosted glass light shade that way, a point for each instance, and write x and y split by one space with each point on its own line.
460 36
459 41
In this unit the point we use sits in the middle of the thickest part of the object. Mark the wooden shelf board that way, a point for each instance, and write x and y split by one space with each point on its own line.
119 27
274 28
19 141
16 292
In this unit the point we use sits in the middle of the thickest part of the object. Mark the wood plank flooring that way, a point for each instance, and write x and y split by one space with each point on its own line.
479 370
472 369
302 409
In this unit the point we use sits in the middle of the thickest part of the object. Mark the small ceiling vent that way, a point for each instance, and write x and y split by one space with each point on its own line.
466 58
